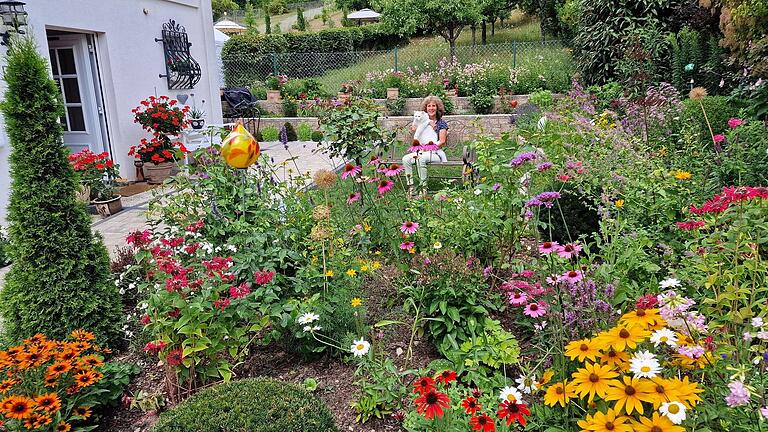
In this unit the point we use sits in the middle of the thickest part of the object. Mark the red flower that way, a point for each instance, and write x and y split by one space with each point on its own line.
471 406
239 291
145 320
175 357
263 277
431 404
690 225
513 411
483 423
446 376
648 301
424 385
221 303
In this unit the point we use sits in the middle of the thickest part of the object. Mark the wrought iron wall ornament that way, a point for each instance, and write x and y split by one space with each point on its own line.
181 70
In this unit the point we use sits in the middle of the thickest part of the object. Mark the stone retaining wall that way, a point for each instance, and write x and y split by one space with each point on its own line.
461 128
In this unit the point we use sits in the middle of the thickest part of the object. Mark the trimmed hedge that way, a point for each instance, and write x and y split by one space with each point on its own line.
253 405
248 57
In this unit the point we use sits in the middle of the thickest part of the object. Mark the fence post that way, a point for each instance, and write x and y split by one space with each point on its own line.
274 64
395 53
514 55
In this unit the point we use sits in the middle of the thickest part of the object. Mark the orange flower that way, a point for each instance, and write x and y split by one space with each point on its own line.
83 412
91 360
87 378
36 339
37 420
80 346
17 407
58 368
8 384
51 381
66 354
63 427
14 351
82 335
34 357
49 402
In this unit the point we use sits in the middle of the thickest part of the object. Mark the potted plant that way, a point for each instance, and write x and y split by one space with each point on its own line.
164 118
106 200
90 169
274 84
393 92
196 119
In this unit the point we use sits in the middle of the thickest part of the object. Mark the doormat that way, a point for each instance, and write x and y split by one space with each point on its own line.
135 188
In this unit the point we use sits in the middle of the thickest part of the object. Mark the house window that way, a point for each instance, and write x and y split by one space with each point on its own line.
64 71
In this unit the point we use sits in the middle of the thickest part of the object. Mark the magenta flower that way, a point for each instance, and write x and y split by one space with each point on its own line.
354 196
719 138
690 225
572 276
391 170
568 250
375 160
549 247
735 122
409 227
350 170
406 245
535 310
430 146
544 166
385 186
517 298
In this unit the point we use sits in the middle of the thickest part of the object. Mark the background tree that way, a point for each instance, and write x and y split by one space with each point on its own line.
491 10
249 19
353 5
221 7
301 22
447 19
60 278
267 22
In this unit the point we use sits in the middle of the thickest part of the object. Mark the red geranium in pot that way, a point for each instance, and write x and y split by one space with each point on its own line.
161 114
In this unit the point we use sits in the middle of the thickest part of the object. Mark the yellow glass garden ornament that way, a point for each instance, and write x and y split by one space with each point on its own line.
240 149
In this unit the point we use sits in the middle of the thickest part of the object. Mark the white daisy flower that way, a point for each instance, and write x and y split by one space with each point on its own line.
307 329
308 318
527 384
316 328
674 411
669 283
360 347
664 336
643 366
510 394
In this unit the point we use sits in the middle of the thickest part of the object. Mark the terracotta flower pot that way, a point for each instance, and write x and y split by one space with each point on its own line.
344 97
157 173
273 95
109 207
450 92
393 93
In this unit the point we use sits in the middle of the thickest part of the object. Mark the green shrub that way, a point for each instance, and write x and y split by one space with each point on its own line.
290 107
719 109
577 219
542 99
60 279
482 103
290 131
301 22
304 132
277 7
270 133
317 136
397 106
253 405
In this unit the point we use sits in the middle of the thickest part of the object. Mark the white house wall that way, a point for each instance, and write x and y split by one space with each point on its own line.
129 60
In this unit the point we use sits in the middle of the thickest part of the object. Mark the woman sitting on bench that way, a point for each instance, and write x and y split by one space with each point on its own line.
429 127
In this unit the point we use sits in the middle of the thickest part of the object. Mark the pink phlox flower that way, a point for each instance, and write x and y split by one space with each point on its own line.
739 394
350 170
549 247
517 298
354 196
409 227
569 250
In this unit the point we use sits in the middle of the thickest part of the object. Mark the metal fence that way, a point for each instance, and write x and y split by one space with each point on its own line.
334 68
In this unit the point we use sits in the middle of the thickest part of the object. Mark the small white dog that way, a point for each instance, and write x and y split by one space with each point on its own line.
424 133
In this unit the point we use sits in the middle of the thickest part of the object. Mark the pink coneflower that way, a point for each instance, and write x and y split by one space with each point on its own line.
385 186
409 227
535 310
375 160
549 247
371 180
392 170
735 122
350 170
517 298
354 196
415 147
572 276
568 250
430 146
406 245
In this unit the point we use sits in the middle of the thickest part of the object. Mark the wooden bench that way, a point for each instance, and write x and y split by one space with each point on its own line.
466 162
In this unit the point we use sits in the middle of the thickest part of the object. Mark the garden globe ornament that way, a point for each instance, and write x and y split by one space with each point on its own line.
240 149
689 67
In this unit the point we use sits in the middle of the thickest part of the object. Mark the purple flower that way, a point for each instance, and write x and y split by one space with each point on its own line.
522 158
544 166
739 394
496 187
